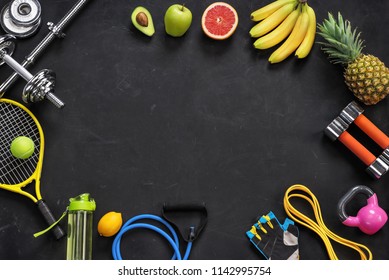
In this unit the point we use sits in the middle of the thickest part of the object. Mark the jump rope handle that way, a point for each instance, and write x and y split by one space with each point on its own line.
49 217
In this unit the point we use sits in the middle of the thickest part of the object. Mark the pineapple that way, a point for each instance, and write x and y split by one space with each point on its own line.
365 75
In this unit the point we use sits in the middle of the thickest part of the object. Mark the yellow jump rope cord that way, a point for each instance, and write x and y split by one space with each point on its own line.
319 227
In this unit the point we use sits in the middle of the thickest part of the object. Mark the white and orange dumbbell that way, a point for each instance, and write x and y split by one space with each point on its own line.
337 130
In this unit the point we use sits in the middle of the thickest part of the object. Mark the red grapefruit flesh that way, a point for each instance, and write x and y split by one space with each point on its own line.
219 21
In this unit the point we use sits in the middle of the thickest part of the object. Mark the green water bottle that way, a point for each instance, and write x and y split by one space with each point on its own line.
80 227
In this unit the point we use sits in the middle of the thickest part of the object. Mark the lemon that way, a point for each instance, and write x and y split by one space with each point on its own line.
110 224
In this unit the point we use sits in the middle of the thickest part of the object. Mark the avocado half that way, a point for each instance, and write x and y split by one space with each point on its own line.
142 20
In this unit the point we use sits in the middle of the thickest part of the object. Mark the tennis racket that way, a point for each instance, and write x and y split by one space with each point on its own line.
15 174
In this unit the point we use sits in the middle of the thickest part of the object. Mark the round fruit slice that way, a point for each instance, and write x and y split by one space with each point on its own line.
142 20
219 21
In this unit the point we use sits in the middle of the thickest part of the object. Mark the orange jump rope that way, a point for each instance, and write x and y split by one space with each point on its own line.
337 130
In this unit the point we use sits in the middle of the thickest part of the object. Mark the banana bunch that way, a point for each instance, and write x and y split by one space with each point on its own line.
291 21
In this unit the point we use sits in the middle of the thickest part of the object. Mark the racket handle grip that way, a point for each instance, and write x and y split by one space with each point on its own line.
49 217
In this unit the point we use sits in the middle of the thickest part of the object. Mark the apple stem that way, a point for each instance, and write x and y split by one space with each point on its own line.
182 7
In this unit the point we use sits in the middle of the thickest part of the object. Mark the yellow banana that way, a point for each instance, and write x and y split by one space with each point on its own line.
280 33
294 40
267 10
272 21
307 44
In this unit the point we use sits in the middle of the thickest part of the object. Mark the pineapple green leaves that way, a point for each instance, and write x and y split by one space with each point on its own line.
364 74
343 45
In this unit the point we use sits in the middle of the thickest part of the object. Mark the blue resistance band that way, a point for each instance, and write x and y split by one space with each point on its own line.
130 224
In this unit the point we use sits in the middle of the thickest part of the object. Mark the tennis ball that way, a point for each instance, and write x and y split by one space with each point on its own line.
22 147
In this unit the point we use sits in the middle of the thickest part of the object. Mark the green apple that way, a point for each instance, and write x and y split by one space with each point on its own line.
178 19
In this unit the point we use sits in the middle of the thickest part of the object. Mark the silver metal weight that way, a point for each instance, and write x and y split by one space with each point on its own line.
341 123
15 29
55 32
39 86
25 12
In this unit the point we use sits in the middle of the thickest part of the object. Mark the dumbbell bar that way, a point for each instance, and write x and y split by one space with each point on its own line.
336 130
39 86
55 32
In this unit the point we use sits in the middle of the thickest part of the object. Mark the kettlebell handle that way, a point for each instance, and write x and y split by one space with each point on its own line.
349 196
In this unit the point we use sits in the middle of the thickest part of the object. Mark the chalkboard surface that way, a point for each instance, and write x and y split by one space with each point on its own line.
161 120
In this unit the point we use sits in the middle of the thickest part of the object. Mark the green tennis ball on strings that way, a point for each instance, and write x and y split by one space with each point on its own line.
22 147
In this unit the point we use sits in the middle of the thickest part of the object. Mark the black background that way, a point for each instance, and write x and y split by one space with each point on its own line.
162 119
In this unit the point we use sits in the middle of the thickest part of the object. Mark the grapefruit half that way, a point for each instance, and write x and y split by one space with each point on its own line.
219 21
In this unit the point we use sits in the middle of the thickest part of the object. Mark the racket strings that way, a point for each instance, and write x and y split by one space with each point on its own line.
14 122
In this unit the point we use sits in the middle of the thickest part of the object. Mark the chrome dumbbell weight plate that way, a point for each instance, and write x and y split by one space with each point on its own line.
19 31
7 46
25 12
39 86
56 31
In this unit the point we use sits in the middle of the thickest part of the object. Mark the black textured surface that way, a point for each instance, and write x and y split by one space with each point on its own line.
161 119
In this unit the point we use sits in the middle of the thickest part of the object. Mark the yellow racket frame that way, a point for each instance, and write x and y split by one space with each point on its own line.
18 188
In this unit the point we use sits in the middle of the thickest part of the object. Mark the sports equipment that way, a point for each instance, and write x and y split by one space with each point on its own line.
21 19
302 192
22 147
292 20
187 220
40 85
15 174
26 12
219 21
56 31
337 130
365 75
274 240
170 235
370 218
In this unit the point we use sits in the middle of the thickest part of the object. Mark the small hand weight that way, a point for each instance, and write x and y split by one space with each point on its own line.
370 218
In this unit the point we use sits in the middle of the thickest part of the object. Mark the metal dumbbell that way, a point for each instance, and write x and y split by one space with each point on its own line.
56 31
39 86
337 130
21 18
